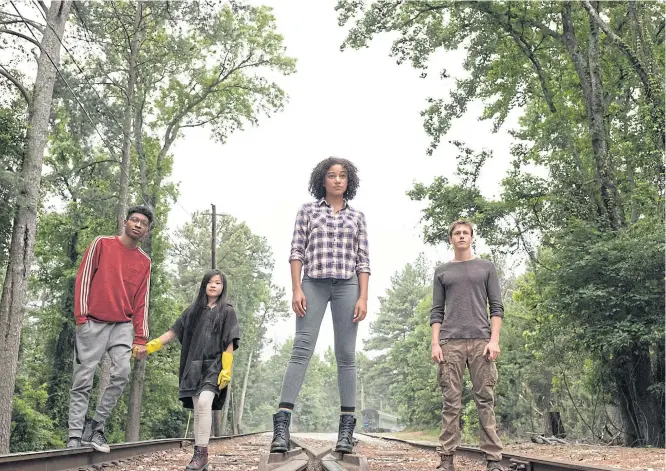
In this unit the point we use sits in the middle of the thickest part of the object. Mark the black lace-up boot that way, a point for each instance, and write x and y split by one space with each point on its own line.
346 434
280 443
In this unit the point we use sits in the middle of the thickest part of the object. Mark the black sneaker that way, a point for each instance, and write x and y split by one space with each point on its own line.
73 442
94 438
97 441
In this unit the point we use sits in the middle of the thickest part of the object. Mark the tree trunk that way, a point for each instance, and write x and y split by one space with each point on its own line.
138 378
658 376
599 131
632 371
241 404
223 417
123 190
61 377
217 423
652 87
104 376
588 70
554 426
234 415
15 285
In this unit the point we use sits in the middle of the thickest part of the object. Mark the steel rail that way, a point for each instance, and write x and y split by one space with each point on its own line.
75 458
510 460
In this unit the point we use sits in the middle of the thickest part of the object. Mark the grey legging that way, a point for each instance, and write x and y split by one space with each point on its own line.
343 295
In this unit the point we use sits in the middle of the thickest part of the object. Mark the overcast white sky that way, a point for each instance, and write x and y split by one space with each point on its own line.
355 104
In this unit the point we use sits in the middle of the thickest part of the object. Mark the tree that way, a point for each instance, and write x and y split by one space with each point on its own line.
588 78
611 294
274 307
162 81
23 234
399 337
528 44
397 307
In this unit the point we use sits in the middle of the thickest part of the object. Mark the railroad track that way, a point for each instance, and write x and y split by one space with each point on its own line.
305 454
302 456
509 460
74 459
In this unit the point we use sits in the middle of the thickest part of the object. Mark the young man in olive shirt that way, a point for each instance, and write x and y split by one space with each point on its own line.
463 289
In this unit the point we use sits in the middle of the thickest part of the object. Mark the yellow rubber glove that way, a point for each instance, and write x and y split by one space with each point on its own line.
153 346
225 375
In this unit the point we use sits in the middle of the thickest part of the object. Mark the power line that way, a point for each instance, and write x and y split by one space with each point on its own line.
46 21
183 208
58 70
76 98
62 44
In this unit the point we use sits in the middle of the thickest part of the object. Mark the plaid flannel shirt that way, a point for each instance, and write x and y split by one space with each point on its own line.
330 245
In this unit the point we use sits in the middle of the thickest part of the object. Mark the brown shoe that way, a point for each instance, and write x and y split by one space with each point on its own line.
446 464
199 459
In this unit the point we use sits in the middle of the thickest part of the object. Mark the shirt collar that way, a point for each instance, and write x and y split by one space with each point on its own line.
323 201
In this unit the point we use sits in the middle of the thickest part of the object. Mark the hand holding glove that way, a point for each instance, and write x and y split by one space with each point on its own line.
151 347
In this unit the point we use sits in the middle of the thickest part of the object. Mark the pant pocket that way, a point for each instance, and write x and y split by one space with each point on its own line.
444 374
490 374
82 327
444 369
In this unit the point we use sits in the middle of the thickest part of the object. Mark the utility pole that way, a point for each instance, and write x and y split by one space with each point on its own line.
213 241
219 424
362 396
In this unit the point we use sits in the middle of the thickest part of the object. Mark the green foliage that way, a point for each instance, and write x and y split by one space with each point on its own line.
396 309
584 196
414 385
32 427
12 136
609 285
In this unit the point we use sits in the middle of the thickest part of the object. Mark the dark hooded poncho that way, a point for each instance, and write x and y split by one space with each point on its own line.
201 354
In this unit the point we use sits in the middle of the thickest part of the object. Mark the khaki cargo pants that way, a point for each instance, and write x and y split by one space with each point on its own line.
459 353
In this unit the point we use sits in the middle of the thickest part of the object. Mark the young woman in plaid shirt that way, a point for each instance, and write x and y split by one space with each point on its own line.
330 247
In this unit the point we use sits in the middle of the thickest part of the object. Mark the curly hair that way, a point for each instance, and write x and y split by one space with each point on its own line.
140 210
317 187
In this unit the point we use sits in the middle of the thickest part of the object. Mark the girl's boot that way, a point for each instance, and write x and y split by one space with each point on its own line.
199 459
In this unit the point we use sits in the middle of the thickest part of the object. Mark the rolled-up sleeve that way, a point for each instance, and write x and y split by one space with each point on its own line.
438 301
363 252
494 294
299 239
179 326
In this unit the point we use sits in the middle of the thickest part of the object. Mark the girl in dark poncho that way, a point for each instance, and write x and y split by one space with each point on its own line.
208 332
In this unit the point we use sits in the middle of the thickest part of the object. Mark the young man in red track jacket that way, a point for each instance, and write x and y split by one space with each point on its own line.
111 312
